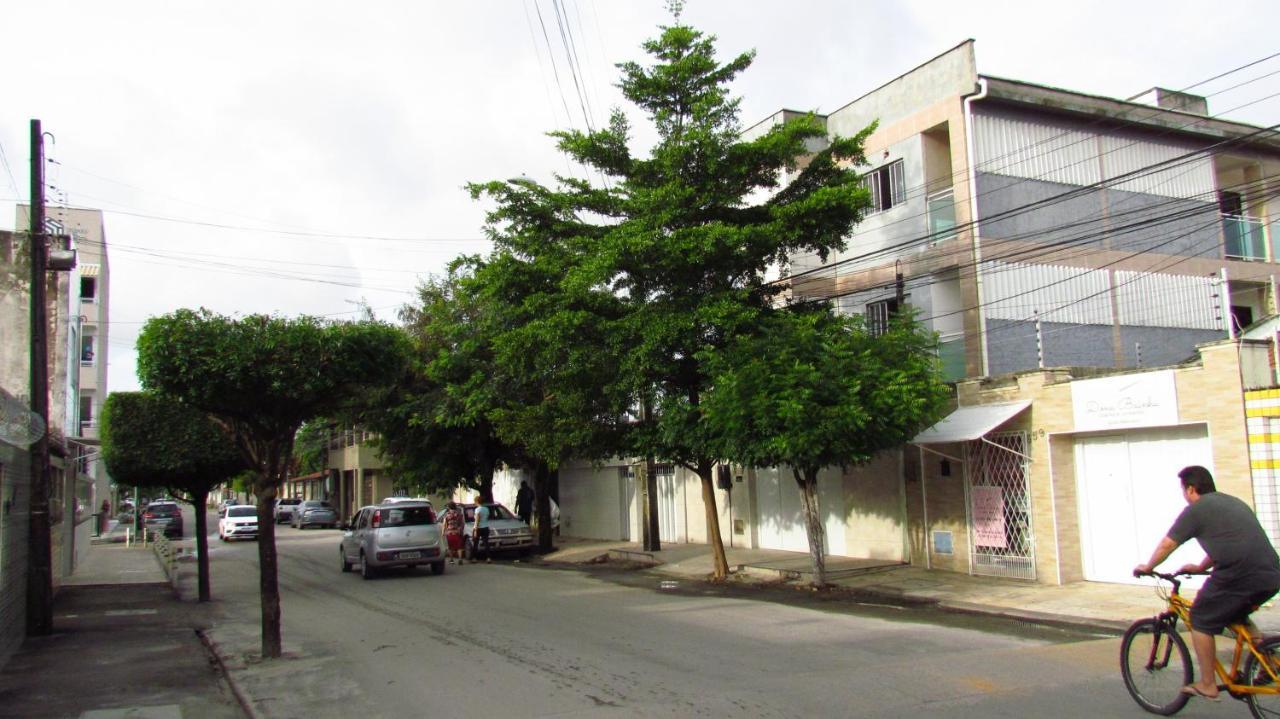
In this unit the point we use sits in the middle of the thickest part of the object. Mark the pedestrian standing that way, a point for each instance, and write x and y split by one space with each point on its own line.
480 532
524 502
453 522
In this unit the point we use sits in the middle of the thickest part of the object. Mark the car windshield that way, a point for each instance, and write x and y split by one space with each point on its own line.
163 510
405 516
290 501
242 511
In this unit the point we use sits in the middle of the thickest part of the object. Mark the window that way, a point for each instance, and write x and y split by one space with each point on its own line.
878 315
86 349
88 289
86 413
887 187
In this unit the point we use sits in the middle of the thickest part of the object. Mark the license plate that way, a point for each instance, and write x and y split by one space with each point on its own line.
410 555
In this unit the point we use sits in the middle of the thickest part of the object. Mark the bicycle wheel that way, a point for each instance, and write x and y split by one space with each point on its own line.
1156 666
1263 705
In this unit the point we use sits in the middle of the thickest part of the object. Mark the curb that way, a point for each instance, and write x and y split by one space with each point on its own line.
241 698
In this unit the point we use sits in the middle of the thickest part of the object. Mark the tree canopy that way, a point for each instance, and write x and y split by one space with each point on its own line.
152 440
261 377
678 244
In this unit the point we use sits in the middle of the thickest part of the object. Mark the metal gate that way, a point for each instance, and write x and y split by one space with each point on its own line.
999 507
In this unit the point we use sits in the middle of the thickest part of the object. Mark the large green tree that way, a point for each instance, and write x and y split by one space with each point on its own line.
810 389
261 377
429 435
152 440
685 237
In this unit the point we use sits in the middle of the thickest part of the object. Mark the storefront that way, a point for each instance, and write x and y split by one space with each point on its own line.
1052 478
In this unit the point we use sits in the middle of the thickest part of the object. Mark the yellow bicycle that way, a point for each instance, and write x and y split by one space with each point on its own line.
1156 664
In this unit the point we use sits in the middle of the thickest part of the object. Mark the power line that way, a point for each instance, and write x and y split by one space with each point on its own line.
988 164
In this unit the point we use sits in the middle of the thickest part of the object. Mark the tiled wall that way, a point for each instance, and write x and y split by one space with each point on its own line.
1262 408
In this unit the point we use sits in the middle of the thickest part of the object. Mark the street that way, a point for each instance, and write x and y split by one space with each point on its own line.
520 640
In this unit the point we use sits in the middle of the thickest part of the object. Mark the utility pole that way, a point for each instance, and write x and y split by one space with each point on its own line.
40 560
649 532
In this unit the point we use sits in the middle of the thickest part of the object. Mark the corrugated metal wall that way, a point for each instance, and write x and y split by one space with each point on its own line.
1158 300
1055 150
1070 295
1075 295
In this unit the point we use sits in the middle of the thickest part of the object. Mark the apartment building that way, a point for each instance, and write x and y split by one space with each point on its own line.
1051 238
1038 227
70 490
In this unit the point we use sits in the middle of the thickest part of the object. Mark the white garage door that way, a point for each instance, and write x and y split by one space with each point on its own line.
1129 495
781 517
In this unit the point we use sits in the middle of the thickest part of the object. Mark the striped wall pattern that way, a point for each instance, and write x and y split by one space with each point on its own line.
1041 147
1082 296
1262 411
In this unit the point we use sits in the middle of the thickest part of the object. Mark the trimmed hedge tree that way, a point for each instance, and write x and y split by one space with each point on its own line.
261 377
151 440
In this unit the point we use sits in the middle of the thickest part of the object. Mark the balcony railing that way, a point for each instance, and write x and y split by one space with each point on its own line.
942 215
1244 238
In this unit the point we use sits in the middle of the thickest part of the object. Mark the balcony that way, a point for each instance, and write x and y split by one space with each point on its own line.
1244 238
942 215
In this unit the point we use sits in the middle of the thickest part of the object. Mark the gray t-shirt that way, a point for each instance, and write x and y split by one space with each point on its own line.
1229 532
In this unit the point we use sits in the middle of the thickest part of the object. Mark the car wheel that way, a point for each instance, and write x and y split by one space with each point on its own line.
346 566
437 568
366 571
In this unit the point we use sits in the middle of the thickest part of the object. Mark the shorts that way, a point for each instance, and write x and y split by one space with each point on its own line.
1217 606
455 542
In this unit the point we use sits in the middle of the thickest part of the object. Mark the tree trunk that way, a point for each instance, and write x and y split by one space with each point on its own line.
486 488
542 476
706 472
808 481
268 581
201 502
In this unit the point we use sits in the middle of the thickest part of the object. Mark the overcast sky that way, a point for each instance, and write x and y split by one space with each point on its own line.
298 157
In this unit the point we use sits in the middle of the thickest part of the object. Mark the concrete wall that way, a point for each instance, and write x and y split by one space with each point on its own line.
874 506
15 496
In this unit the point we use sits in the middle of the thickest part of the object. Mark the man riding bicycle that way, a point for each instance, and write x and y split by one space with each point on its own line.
1246 570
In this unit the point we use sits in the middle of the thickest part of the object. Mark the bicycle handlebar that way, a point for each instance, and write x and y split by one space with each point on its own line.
1171 578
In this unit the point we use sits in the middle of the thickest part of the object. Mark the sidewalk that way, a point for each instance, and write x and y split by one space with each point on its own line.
1090 605
122 646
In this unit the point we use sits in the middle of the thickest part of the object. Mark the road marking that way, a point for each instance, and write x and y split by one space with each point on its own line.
131 612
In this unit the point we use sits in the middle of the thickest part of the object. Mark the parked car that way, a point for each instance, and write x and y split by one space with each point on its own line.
313 512
285 508
507 533
163 517
238 521
402 534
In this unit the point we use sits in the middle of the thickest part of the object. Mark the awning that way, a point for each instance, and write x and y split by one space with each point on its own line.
88 269
969 423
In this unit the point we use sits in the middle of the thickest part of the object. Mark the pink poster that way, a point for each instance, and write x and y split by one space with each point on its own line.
988 516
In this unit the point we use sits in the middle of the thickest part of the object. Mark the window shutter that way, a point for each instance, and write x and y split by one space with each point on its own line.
897 181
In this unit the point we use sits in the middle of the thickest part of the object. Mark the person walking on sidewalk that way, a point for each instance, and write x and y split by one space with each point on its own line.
480 532
453 522
1246 570
524 502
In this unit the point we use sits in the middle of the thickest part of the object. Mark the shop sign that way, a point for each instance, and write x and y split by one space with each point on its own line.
1148 399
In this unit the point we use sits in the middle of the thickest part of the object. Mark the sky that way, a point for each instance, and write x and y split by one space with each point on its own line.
305 157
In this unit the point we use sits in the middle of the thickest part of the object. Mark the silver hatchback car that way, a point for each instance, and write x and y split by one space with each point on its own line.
381 536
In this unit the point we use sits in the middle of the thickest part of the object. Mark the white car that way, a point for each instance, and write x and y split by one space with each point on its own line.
238 521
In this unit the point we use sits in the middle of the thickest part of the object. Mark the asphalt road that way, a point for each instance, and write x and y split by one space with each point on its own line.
515 640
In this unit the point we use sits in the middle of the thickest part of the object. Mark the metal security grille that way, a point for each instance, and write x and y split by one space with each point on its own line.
999 505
